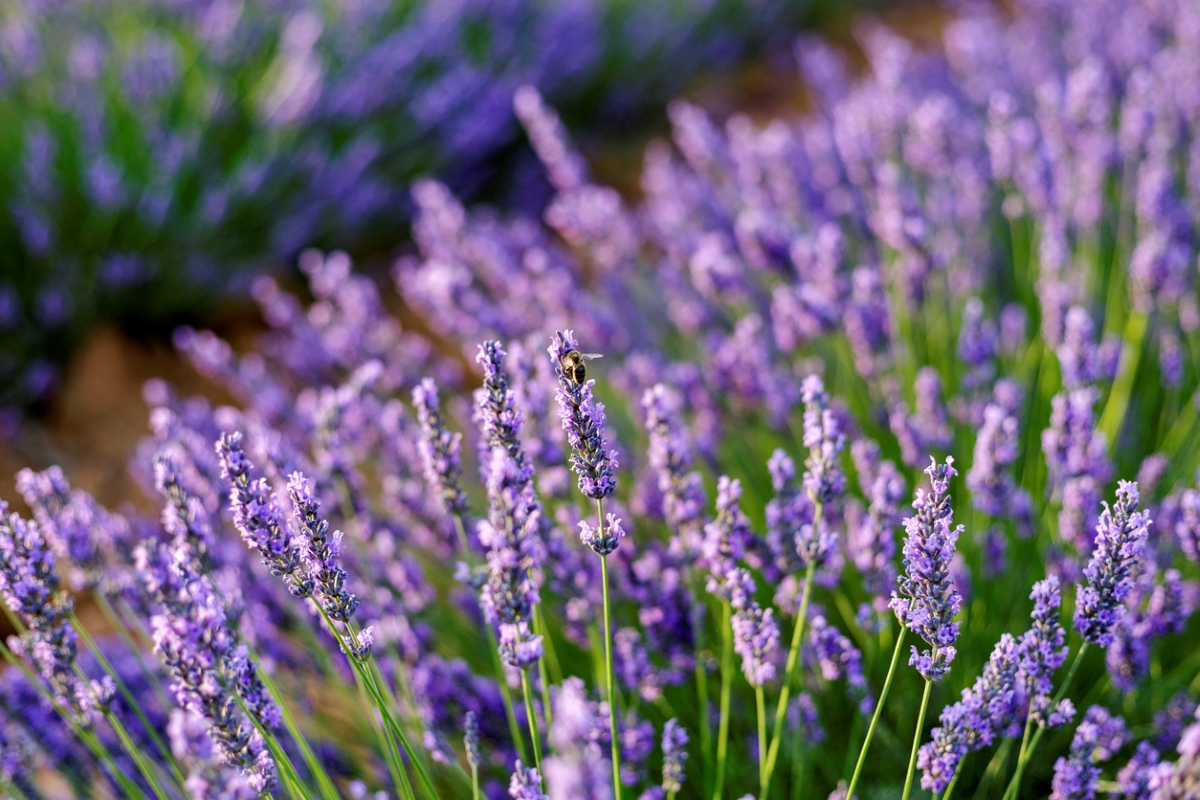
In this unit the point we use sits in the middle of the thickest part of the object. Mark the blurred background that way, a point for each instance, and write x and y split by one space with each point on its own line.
158 154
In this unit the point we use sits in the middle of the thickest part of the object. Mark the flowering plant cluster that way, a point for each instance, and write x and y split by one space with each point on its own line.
904 396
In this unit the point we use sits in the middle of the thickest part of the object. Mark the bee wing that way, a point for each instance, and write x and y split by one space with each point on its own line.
590 356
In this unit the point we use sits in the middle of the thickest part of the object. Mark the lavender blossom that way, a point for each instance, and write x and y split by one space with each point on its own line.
755 633
439 449
1133 779
791 523
579 768
926 600
1179 781
870 537
605 539
526 784
836 657
726 537
674 750
471 739
495 404
990 708
1120 545
1098 737
1043 651
259 520
670 457
823 478
583 420
320 551
993 490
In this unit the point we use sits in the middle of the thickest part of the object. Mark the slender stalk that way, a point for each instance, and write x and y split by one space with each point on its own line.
533 730
789 673
475 782
539 628
608 663
514 727
762 737
726 686
130 700
1012 787
912 760
887 684
701 669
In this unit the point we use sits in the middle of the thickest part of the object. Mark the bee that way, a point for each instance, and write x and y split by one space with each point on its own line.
572 365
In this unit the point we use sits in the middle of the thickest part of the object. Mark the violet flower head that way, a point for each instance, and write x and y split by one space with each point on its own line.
80 530
439 448
992 707
1120 545
495 403
670 456
1043 650
259 520
755 633
674 750
603 540
583 420
471 738
993 490
871 540
726 537
837 657
1097 738
823 477
184 515
1133 779
526 784
510 534
926 600
579 768
320 551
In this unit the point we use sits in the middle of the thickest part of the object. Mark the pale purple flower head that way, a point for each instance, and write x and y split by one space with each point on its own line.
259 520
674 749
836 657
320 550
926 600
1120 545
603 540
755 633
526 784
583 420
440 449
727 536
471 738
670 456
1043 651
495 403
1097 738
823 477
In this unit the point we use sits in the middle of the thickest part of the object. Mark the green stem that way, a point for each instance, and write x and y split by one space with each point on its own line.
726 687
514 727
887 684
539 628
762 738
611 676
954 779
789 672
912 759
474 782
533 730
701 669
1118 399
1016 781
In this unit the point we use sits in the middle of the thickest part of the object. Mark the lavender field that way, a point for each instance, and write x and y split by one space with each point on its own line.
855 455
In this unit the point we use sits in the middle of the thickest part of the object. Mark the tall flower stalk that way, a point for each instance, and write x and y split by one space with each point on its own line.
925 601
593 463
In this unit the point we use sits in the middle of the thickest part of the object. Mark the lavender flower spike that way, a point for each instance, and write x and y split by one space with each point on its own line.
320 551
926 600
439 448
823 478
674 748
495 404
1120 544
755 634
1098 737
526 784
259 520
1043 650
583 420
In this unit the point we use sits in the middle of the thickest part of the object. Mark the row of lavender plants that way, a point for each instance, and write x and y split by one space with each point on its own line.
961 288
154 151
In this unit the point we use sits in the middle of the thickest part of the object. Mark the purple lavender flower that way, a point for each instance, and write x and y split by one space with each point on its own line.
439 449
259 520
583 420
1133 780
755 634
726 537
823 478
1154 609
1120 544
670 457
514 551
526 784
320 551
791 525
579 768
1169 723
1077 457
870 539
602 540
495 404
471 738
1096 739
836 657
926 600
29 585
993 490
1043 650
1179 781
674 750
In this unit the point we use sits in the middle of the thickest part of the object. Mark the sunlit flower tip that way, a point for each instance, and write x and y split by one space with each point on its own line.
440 448
674 749
1120 544
526 784
359 647
583 420
603 541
